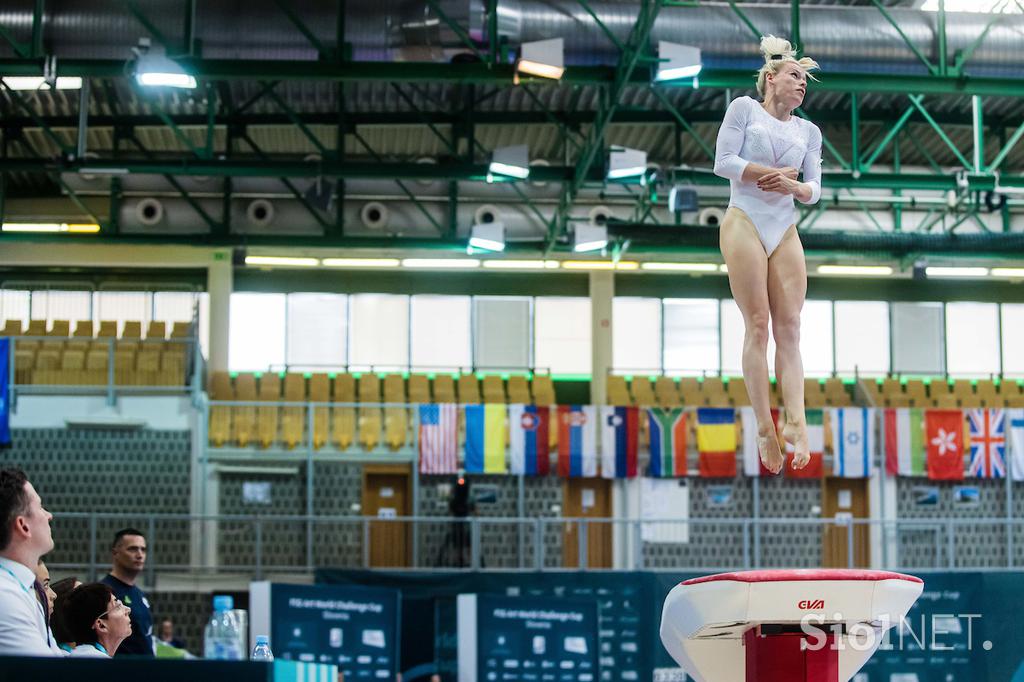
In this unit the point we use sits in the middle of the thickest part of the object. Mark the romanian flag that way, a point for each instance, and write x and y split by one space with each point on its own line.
485 439
668 441
716 441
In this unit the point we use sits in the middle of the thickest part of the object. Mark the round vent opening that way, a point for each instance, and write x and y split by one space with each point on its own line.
149 211
374 215
260 212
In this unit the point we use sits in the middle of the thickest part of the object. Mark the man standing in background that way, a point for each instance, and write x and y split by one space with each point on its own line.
129 559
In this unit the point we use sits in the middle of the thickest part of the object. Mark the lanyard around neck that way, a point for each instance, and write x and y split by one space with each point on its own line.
34 599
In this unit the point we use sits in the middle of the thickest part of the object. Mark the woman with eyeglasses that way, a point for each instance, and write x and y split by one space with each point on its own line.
96 620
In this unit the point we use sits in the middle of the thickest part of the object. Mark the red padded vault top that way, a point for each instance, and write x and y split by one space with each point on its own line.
802 574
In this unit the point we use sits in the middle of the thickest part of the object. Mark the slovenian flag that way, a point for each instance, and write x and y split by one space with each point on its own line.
620 428
485 439
668 441
529 449
853 441
577 441
716 441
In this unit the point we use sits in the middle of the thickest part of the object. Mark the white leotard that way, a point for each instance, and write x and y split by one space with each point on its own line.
749 134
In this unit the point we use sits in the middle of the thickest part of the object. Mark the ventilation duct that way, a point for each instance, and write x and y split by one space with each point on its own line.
374 215
149 211
260 213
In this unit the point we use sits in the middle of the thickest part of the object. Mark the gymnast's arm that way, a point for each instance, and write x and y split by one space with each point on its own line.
728 162
810 190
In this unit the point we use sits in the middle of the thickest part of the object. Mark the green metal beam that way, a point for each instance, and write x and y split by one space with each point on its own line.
200 211
291 187
683 122
38 11
913 48
22 50
916 99
889 137
298 23
457 30
1007 148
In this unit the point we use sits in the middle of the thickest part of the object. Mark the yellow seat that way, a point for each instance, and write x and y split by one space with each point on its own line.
688 388
469 389
11 328
937 388
172 367
124 367
97 363
156 331
343 418
419 388
713 392
493 389
642 391
988 393
82 336
181 330
269 415
107 329
618 393
543 389
293 418
444 389
24 362
147 368
369 416
665 392
320 392
947 401
736 389
519 390
61 328
132 330
47 367
243 418
220 415
396 419
36 328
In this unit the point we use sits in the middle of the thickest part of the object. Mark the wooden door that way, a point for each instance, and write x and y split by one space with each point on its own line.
387 494
845 498
587 498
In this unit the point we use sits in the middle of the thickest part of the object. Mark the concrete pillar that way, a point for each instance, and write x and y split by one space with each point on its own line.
219 283
602 291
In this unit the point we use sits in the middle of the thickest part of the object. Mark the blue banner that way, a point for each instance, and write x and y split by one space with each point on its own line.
5 403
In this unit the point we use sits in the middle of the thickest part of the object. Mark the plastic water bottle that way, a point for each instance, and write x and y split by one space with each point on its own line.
262 650
223 637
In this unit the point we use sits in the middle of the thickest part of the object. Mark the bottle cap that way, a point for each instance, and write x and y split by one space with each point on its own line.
262 639
223 602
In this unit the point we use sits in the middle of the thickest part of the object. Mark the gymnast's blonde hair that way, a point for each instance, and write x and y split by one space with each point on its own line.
777 52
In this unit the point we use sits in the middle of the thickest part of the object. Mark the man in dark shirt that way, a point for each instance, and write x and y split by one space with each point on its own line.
129 558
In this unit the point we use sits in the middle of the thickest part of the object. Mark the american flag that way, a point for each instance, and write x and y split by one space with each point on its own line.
438 438
988 443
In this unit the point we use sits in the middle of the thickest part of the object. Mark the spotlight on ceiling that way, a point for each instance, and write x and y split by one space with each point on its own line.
676 62
626 163
153 68
543 58
487 237
682 199
511 161
588 237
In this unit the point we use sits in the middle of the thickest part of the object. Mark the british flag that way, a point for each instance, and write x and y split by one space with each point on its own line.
988 443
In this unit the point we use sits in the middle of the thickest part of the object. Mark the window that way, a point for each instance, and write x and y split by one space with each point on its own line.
733 331
862 337
562 335
378 333
502 332
122 306
636 331
917 338
317 336
52 305
972 339
691 335
173 306
1013 332
816 338
256 332
440 333
14 305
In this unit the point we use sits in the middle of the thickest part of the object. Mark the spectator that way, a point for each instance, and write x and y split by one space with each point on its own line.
61 588
167 634
128 553
24 537
43 577
96 619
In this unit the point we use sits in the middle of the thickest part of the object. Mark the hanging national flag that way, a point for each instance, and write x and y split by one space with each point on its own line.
668 441
439 432
716 441
904 441
620 428
529 448
944 434
988 443
815 442
1016 418
485 439
752 465
5 404
853 441
577 441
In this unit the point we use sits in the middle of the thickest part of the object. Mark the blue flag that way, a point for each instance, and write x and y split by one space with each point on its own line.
5 403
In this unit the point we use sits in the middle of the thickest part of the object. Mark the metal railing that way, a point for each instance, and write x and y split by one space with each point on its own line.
256 545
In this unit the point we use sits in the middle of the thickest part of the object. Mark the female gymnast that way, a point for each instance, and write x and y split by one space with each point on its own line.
762 149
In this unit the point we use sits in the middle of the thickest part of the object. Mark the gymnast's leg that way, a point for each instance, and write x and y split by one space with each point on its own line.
787 287
748 278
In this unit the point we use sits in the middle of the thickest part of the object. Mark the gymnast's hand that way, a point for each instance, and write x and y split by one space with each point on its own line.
782 181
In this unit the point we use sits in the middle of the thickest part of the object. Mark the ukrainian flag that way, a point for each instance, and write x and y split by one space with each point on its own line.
485 439
716 429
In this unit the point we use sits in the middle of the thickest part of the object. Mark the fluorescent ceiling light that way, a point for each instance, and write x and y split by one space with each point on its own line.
599 265
153 68
985 6
1008 272
863 270
589 238
942 271
487 237
521 264
159 79
77 228
680 267
723 268
626 163
543 58
443 263
360 262
511 161
677 61
39 83
288 261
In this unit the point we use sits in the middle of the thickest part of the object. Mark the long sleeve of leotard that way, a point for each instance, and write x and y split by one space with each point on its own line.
812 164
728 162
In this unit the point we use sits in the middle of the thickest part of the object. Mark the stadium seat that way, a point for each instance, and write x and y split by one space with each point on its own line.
814 399
689 390
736 389
97 363
988 394
891 386
11 328
964 391
181 330
444 389
493 389
396 419
946 401
369 417
220 415
469 389
36 328
61 328
642 391
543 389
172 368
132 330
147 367
418 388
713 392
243 418
124 367
320 392
82 336
617 392
519 390
268 415
665 392
156 331
937 388
24 361
47 367
107 329
343 418
293 417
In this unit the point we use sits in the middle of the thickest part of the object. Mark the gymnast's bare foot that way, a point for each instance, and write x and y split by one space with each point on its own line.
768 448
796 435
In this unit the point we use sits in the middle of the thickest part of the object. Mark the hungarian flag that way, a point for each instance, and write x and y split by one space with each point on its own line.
904 441
620 430
577 441
853 441
716 441
529 448
988 443
668 441
752 465
816 443
944 438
